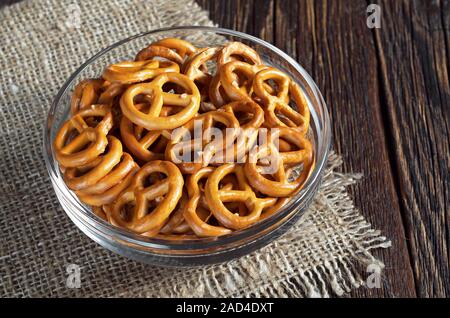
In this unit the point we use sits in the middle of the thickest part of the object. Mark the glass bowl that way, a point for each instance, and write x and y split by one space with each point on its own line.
203 250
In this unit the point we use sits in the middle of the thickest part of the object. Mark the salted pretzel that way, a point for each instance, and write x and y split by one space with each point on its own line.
277 109
86 175
208 148
110 91
89 143
279 185
157 51
108 188
194 66
182 47
217 197
189 102
85 94
216 93
142 143
193 212
138 196
233 51
238 87
130 72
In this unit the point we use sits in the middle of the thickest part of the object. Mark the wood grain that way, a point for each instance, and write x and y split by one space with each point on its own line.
414 59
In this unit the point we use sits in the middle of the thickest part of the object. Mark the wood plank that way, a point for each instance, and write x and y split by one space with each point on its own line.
250 16
334 44
413 50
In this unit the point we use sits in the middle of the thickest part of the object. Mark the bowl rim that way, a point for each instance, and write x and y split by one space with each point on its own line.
256 231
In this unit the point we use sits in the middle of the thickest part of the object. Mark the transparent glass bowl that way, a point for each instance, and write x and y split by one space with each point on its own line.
205 250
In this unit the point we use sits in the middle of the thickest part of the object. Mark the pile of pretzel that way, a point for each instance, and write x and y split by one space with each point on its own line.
117 150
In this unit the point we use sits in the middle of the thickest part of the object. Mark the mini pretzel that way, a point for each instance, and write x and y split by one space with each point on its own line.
248 126
182 47
216 198
107 189
189 102
206 146
278 104
193 66
279 185
130 72
74 153
87 175
139 141
153 51
238 51
197 223
216 93
85 94
138 195
230 80
110 92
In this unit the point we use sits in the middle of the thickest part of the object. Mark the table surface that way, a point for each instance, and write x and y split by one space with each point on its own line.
388 94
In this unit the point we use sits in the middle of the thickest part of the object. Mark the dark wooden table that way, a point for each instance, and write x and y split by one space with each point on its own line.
388 93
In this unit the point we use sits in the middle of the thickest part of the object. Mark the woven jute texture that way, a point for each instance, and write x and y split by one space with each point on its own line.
42 43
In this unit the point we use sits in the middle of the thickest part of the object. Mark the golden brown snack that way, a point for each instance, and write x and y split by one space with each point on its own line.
131 209
189 102
78 143
216 198
278 185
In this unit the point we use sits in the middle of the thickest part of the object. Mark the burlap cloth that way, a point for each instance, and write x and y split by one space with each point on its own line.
42 43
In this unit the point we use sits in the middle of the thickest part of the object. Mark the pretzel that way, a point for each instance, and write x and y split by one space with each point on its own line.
189 102
85 94
155 51
193 66
235 88
206 146
88 174
276 105
217 197
139 142
240 52
108 188
279 185
110 92
74 153
216 93
254 117
138 195
196 222
152 105
182 47
130 72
